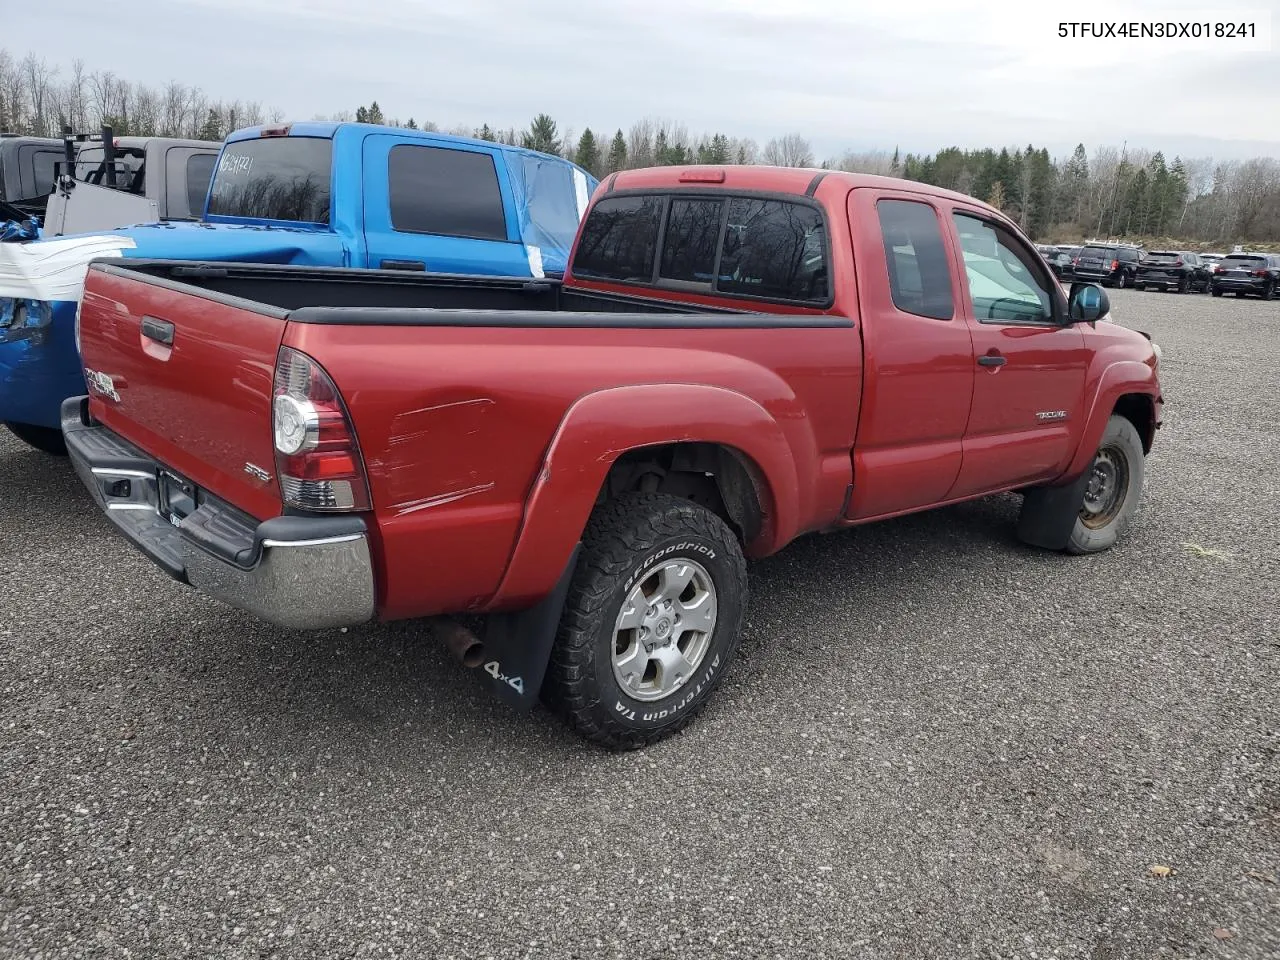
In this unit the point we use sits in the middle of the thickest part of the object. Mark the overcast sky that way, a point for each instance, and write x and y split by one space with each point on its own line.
847 74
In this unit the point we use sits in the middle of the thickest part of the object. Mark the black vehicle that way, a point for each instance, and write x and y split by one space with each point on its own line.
1110 264
1248 274
1173 270
1059 260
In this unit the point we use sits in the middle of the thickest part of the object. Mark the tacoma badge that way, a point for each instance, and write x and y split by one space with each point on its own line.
102 383
1051 415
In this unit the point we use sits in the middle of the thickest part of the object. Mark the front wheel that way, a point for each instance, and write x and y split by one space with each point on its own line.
1121 280
1113 489
1184 285
48 439
1269 291
1216 291
651 621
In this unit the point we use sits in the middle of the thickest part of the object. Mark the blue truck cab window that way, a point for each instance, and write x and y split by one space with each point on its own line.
274 178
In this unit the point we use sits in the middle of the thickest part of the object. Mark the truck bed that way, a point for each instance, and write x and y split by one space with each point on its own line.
460 391
346 295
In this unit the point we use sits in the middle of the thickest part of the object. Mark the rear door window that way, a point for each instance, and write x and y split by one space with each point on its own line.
199 173
919 274
452 193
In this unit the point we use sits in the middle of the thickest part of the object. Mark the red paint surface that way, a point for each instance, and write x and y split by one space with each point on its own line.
486 447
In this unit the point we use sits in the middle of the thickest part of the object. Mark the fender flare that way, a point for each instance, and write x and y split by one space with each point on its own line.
601 426
1117 379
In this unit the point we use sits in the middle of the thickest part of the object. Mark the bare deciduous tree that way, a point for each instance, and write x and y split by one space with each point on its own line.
791 150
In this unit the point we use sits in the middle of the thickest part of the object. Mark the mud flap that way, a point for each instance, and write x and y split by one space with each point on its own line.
517 646
1049 514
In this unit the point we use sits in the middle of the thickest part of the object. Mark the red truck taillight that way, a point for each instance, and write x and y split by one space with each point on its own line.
317 458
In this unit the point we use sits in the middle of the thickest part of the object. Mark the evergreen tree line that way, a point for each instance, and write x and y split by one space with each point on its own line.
1124 193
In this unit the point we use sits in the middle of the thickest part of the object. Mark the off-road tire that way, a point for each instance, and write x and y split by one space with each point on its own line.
1120 439
47 439
625 537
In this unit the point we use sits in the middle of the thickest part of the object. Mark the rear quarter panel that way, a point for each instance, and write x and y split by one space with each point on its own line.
454 424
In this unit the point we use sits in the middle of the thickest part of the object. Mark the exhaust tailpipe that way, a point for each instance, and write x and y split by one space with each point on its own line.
465 646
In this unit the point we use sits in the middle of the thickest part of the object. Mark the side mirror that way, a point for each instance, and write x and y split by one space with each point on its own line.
1088 302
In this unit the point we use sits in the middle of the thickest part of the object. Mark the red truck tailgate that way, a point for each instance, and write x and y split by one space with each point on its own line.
200 403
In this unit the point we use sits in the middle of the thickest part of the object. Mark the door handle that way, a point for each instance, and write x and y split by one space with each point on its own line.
992 360
161 331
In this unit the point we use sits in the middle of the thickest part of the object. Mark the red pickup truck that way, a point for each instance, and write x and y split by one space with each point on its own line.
577 469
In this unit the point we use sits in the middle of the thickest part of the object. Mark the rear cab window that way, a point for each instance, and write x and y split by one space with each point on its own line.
737 246
1238 262
274 178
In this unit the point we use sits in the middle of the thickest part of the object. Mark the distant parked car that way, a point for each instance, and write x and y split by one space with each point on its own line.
1111 264
1058 260
1211 260
1172 269
1248 274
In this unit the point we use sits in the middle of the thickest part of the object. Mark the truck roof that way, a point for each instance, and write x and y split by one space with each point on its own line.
794 180
331 128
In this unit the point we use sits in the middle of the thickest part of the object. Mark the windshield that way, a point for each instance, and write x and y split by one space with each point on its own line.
273 178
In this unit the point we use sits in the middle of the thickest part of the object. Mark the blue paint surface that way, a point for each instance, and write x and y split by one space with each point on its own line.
39 364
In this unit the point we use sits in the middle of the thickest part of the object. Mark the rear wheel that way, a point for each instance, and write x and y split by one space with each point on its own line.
1216 291
48 439
1269 291
1122 280
651 621
1113 490
1184 285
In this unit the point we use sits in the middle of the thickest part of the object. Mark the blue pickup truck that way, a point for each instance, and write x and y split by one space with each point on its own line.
315 194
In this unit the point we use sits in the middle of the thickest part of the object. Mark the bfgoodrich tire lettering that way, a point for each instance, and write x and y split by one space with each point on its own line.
628 543
1118 471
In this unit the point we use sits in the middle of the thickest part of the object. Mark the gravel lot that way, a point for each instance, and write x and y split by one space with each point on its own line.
936 743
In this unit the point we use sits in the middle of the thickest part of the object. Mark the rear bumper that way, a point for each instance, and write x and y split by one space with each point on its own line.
301 573
1240 284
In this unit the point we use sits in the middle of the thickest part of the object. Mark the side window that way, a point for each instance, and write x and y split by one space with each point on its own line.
619 240
919 275
199 173
451 193
775 249
689 244
1003 282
